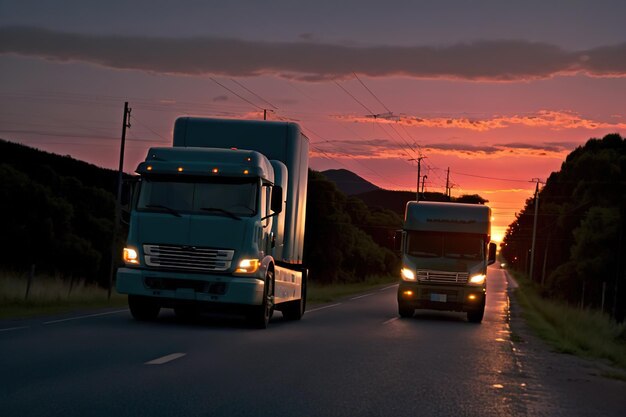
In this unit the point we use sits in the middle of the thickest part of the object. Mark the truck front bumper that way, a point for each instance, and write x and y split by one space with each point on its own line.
185 287
441 296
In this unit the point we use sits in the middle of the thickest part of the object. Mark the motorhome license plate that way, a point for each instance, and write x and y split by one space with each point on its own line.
440 298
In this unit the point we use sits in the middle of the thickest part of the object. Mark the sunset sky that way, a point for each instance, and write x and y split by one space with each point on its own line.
499 92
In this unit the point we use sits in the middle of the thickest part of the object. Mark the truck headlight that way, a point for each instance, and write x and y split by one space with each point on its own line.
247 266
477 279
407 274
131 256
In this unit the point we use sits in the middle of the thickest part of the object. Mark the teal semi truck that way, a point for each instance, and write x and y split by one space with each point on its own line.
217 222
445 252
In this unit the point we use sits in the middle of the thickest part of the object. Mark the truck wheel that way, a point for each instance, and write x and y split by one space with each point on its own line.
260 315
143 308
476 316
294 310
405 311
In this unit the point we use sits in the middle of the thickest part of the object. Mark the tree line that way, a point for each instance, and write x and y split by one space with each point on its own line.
580 245
58 213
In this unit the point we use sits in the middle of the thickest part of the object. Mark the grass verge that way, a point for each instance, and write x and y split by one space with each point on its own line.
318 293
50 295
571 330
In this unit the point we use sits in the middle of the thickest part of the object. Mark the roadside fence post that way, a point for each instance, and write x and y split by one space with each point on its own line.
31 276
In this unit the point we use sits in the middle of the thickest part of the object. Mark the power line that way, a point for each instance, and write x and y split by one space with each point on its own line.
491 178
373 95
389 114
253 93
231 91
353 97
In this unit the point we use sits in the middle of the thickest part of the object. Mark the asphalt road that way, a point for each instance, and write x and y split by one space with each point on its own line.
353 358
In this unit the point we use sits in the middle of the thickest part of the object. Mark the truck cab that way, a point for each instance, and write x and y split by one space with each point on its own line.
207 231
445 252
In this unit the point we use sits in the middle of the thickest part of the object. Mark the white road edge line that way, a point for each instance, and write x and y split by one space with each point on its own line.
323 308
165 359
8 329
361 296
390 320
85 317
386 288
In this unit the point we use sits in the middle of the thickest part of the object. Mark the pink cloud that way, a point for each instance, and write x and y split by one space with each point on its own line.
555 120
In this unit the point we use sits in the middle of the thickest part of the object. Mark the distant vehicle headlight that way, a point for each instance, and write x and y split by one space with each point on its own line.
407 274
477 279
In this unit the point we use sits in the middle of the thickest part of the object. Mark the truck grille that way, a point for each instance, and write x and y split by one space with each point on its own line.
190 258
442 276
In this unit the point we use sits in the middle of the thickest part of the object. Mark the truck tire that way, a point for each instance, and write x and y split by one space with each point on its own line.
405 311
143 308
294 310
259 316
476 316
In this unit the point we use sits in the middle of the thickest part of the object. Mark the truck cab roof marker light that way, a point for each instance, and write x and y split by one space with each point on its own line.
149 168
180 169
215 170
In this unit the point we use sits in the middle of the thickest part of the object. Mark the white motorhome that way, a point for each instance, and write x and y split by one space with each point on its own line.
445 252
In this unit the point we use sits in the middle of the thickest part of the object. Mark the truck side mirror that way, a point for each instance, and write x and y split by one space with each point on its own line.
126 198
128 190
492 253
276 204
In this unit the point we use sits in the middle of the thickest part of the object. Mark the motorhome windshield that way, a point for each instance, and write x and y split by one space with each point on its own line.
445 245
192 195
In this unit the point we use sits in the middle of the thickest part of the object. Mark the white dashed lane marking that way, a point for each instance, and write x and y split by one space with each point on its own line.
165 359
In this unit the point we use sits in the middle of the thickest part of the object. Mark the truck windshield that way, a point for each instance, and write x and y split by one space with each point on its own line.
233 197
445 245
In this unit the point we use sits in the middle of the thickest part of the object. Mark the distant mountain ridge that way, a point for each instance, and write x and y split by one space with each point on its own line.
348 182
373 196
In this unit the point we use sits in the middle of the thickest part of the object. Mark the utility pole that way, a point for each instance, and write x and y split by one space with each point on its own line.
423 183
419 167
619 265
118 207
532 247
264 114
448 183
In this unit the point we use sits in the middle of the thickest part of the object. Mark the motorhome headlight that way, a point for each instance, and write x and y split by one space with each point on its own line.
407 274
131 256
247 266
478 279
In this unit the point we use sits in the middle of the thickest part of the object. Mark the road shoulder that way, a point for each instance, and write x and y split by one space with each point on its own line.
560 384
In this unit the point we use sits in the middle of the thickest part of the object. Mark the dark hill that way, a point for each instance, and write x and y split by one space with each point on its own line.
38 164
395 200
348 182
59 213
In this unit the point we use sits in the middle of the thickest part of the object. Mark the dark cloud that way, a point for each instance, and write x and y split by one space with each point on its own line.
465 148
546 146
311 60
